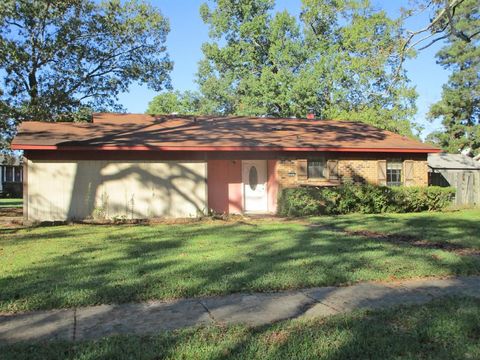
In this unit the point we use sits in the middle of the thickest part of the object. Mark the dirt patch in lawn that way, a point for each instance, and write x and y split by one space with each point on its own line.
11 217
11 212
405 239
414 241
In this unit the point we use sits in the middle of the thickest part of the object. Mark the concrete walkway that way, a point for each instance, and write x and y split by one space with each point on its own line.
250 309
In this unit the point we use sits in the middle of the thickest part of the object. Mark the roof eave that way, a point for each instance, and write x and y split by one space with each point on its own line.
219 148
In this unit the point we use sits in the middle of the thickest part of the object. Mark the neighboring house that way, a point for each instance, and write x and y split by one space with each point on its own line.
458 171
141 166
11 175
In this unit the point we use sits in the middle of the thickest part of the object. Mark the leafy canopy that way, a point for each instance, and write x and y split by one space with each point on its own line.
60 59
459 107
186 103
338 59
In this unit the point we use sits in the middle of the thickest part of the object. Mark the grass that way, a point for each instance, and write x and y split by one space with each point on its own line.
443 329
80 265
460 227
11 203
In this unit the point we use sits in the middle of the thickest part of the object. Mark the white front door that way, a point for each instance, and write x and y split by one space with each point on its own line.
255 185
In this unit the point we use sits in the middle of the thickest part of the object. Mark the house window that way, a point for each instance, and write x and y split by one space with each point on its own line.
394 173
316 169
9 174
18 173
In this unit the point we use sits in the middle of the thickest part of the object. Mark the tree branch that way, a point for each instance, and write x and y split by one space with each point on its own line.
92 73
14 24
408 42
433 42
451 23
437 19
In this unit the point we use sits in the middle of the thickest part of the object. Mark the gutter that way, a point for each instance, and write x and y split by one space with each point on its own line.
218 148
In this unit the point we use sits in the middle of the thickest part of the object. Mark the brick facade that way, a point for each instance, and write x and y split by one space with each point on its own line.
361 168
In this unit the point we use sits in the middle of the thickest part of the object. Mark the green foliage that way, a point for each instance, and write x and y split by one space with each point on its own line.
186 103
11 203
339 59
366 199
62 59
459 107
415 199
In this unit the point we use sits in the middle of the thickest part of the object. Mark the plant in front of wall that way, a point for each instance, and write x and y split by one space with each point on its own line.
201 213
365 199
119 219
100 212
87 201
130 207
217 215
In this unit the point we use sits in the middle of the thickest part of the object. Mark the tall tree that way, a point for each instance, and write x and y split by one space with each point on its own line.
356 64
459 107
186 103
252 73
338 59
62 58
442 25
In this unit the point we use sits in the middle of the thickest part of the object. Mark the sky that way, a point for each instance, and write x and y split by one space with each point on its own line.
188 32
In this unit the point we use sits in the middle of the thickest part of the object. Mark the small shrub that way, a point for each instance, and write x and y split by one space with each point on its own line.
415 199
300 202
366 199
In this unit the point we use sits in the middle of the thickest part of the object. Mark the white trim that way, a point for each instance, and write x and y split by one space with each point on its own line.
264 210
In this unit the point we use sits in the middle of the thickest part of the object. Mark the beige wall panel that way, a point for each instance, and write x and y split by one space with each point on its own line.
107 189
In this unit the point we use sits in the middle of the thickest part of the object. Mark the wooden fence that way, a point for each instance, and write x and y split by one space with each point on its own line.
466 183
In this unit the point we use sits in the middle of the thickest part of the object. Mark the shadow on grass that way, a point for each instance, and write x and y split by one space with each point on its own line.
454 228
89 265
443 329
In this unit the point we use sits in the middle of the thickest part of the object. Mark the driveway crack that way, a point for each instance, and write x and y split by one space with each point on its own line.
210 315
319 302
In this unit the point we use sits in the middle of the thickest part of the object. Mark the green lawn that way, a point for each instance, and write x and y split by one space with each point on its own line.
9 203
66 266
444 329
461 228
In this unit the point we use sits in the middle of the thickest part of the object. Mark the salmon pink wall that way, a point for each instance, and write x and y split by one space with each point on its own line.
272 185
235 187
224 181
217 182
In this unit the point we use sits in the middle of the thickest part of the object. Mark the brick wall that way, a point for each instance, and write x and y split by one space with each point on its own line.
360 168
287 173
420 172
358 171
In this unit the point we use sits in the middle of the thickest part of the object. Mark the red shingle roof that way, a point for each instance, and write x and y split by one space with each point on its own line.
144 132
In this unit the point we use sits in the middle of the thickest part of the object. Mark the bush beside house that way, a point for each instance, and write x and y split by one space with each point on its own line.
367 199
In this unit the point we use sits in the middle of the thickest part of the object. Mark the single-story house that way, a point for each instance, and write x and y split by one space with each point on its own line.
142 166
11 175
459 171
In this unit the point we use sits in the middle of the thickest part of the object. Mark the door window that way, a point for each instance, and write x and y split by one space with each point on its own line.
253 178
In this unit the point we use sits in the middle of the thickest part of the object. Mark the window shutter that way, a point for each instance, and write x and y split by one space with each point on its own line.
332 166
382 172
302 172
408 167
